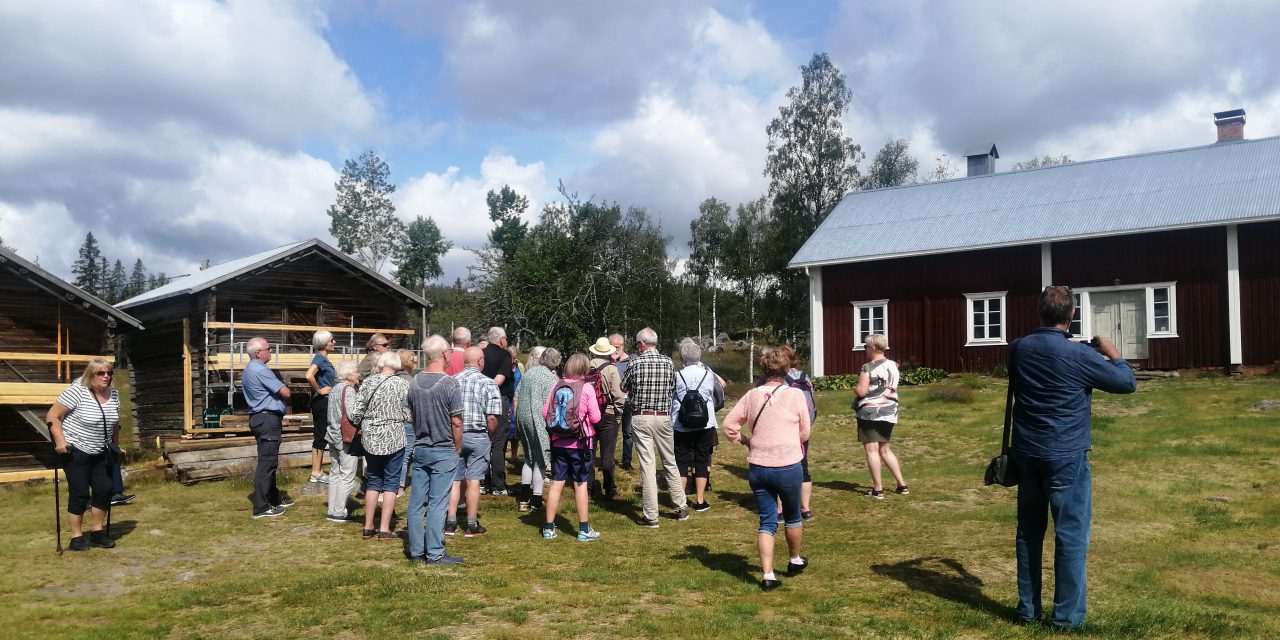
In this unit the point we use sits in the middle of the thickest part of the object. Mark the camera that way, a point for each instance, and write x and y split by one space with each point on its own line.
1093 342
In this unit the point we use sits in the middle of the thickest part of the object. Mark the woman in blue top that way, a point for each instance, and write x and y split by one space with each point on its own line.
320 377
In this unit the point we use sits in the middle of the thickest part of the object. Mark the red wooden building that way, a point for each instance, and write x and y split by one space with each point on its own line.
1174 255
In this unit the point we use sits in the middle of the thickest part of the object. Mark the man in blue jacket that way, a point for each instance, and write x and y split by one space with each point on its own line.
1053 379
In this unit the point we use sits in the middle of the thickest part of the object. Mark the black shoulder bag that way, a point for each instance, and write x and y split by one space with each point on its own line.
1001 469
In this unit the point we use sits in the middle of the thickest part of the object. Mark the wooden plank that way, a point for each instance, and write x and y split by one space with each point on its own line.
37 393
248 326
279 361
23 476
186 375
50 357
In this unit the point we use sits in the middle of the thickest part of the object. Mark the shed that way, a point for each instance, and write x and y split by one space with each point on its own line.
187 364
49 329
1172 254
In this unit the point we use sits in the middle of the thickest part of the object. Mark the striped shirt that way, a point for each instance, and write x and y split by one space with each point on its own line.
649 381
86 427
480 398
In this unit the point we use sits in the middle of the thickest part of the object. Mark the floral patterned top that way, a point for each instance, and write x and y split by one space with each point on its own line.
381 408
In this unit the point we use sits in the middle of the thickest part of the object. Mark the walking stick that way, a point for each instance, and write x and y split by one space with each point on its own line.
57 508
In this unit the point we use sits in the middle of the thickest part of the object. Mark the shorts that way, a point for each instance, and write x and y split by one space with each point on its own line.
570 464
874 431
382 473
473 461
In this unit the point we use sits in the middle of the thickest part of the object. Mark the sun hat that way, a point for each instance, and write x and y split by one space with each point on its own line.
602 347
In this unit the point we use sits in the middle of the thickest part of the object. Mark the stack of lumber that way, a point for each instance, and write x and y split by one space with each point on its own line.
217 458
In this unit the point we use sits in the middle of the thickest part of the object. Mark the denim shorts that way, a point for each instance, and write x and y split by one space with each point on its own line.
473 462
382 473
771 484
570 464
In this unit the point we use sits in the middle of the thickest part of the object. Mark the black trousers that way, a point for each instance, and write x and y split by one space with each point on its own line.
606 446
85 472
693 452
266 431
319 422
498 451
628 435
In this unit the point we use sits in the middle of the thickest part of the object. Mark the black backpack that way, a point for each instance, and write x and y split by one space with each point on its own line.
693 412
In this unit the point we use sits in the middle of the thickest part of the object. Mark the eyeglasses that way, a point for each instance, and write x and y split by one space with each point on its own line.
104 373
384 345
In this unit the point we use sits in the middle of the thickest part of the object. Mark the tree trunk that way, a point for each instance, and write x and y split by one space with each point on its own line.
715 328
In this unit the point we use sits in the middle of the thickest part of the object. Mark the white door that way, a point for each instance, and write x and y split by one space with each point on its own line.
1122 317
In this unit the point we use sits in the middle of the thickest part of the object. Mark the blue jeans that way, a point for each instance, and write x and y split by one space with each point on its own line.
771 483
433 469
1064 488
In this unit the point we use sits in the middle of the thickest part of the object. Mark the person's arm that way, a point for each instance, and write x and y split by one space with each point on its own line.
613 385
588 409
456 421
864 384
54 418
311 379
1114 375
494 405
499 379
733 422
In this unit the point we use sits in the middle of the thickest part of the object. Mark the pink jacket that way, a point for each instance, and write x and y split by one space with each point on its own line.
588 412
784 424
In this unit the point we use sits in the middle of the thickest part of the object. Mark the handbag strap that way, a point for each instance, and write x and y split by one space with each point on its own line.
766 403
1006 441
106 430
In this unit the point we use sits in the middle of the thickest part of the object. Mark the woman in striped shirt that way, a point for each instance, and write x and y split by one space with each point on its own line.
84 422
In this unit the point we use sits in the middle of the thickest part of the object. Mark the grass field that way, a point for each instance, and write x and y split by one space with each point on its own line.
1186 544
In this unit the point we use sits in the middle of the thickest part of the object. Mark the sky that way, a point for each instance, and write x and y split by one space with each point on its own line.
178 130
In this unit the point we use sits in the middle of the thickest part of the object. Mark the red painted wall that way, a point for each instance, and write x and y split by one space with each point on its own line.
1260 291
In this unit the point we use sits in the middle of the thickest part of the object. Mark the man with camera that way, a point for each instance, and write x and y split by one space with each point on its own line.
1053 378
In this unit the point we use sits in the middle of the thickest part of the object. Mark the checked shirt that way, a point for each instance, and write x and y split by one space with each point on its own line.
480 398
649 381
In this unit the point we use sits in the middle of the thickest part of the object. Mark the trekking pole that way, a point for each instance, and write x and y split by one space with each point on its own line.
57 508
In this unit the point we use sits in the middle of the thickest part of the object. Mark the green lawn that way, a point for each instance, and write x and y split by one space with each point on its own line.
1186 543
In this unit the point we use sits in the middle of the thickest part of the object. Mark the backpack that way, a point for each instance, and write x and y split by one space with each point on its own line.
693 413
562 415
804 384
602 395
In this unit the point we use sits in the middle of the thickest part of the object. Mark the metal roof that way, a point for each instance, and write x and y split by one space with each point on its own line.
1218 184
63 289
218 273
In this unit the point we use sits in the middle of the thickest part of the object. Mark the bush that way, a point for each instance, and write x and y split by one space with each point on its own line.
974 381
1001 370
923 375
835 383
958 395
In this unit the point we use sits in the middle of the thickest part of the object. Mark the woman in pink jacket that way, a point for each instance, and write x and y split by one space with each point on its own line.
572 413
779 419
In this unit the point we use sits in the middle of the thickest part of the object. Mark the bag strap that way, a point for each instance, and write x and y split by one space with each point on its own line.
1006 441
106 429
766 403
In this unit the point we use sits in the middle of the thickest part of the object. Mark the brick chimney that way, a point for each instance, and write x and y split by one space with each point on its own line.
982 159
1230 125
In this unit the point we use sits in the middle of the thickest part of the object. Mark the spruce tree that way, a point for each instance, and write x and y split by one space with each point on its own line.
85 268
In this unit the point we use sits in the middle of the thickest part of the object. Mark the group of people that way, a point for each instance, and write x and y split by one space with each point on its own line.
442 430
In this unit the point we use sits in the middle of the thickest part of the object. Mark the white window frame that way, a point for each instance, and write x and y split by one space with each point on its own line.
858 306
1086 311
1082 316
1004 318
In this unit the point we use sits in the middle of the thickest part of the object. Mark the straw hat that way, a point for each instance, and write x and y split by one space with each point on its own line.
602 347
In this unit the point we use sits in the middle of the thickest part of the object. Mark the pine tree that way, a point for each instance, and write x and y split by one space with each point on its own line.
86 268
137 280
103 288
116 283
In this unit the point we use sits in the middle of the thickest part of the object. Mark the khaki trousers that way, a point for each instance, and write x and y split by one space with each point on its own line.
653 434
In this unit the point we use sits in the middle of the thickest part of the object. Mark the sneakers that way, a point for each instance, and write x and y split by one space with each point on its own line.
499 492
806 515
473 530
769 585
368 534
269 512
101 539
285 501
681 514
450 528
625 465
651 523
444 559
324 477
876 495
335 518
523 507
386 536
796 568
588 535
704 506
902 491
122 499
79 543
548 533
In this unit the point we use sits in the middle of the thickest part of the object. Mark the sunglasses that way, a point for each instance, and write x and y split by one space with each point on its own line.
104 373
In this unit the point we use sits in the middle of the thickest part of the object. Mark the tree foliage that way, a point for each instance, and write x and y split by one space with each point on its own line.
137 280
1043 161
944 169
708 243
892 166
362 218
86 268
505 208
418 259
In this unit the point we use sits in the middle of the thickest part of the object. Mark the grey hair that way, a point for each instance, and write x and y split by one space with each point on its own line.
345 368
320 339
461 336
550 358
647 336
535 357
616 336
690 351
254 345
389 359
433 348
495 334
877 341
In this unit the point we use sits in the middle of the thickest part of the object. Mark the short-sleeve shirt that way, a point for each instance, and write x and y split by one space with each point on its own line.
480 398
260 386
881 402
497 361
85 427
434 398
455 365
324 373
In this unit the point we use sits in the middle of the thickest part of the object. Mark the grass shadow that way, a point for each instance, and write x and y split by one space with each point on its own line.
733 564
945 578
739 472
842 485
745 500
